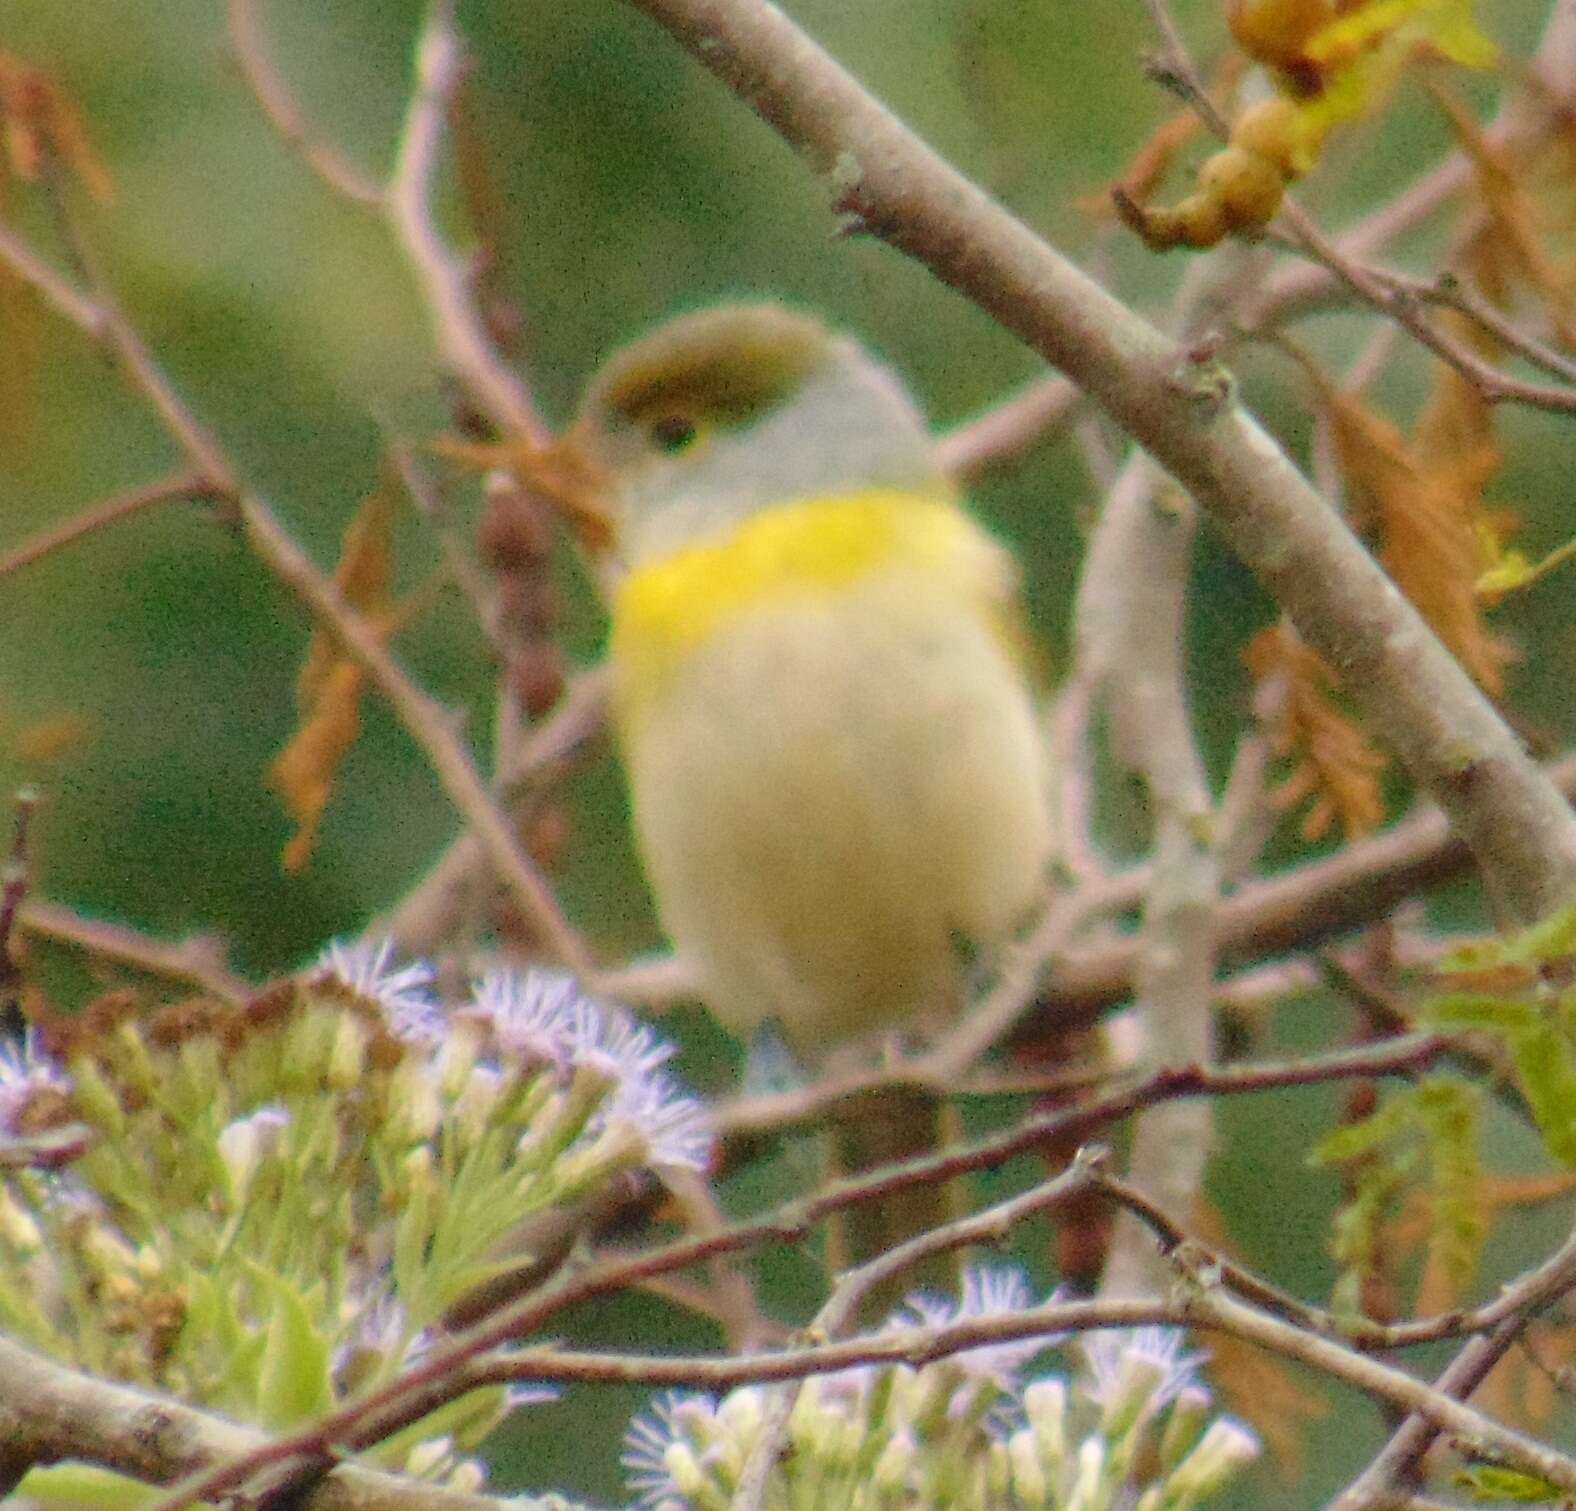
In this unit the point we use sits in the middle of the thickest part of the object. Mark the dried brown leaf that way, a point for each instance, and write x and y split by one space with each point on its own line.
1333 761
303 772
1501 1191
41 125
1522 1388
1424 500
1509 247
1437 1290
330 685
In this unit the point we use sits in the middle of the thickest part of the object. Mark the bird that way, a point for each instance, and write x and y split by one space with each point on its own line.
819 686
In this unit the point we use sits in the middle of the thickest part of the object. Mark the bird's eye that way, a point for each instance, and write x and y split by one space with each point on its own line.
673 433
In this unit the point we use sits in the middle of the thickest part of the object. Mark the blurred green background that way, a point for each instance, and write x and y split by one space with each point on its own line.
631 186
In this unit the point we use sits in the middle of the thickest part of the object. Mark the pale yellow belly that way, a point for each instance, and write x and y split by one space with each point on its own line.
829 791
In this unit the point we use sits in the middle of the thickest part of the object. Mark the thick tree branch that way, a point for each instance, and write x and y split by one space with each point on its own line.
1131 645
49 1413
888 182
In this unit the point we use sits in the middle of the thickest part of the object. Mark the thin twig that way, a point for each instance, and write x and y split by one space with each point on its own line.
841 1309
1394 298
1520 1302
197 961
1317 900
1174 67
1389 296
1023 971
457 326
1531 117
284 115
179 485
1453 291
460 1365
1436 1408
426 721
425 916
1007 430
1209 1308
462 565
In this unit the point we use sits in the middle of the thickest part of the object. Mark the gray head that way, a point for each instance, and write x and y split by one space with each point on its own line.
716 415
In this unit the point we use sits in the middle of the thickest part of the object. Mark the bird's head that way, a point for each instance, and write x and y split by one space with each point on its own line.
718 414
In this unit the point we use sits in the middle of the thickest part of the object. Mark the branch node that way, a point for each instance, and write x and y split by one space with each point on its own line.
1203 380
1093 1162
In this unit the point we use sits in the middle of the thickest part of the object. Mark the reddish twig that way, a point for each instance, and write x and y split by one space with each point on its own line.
1395 298
448 1371
425 720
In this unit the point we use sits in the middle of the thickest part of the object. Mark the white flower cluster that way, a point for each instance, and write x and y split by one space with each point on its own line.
1132 1430
311 1181
542 1019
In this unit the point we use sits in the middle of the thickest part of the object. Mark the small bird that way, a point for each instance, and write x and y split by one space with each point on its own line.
832 746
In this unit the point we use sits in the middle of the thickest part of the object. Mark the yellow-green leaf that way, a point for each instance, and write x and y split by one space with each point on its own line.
86 1487
1512 570
1492 1482
1547 1071
294 1381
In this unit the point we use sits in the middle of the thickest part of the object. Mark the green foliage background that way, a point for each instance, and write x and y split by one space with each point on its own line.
632 187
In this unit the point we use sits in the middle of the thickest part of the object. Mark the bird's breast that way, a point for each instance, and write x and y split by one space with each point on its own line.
833 757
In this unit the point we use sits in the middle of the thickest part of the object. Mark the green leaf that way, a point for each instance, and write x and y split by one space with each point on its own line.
1428 1135
294 1378
81 1486
1353 1140
1513 570
468 1421
1449 1109
1468 1012
1491 1482
1547 1070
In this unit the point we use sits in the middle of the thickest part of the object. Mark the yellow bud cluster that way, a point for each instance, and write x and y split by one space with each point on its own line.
1239 188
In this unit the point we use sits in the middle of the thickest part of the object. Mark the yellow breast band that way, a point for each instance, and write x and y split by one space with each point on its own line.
666 608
